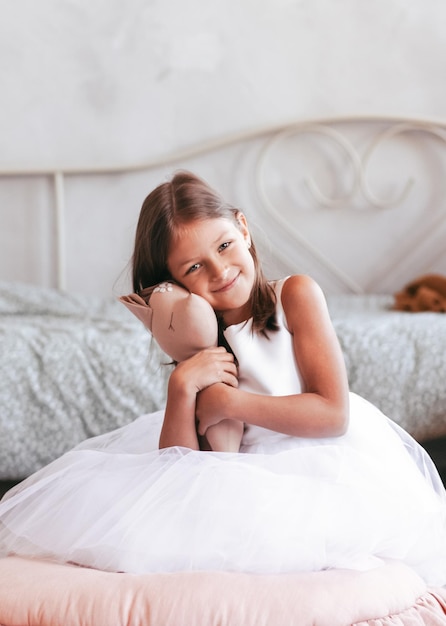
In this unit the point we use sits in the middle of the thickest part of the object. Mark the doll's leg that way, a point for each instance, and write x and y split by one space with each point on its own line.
226 436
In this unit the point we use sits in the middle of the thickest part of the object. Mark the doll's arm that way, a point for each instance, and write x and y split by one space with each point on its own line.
226 436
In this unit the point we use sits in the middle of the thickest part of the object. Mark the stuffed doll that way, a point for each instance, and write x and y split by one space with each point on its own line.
182 324
426 293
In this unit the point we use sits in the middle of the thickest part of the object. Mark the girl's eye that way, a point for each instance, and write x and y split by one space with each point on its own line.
224 245
193 268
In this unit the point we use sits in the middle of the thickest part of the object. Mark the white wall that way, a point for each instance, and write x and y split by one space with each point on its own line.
107 82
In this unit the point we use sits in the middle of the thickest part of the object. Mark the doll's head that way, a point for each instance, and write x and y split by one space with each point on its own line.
165 213
182 323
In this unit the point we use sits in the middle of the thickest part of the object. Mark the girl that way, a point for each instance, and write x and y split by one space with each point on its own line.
322 479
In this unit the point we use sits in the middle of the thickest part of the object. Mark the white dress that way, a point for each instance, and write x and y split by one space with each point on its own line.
282 504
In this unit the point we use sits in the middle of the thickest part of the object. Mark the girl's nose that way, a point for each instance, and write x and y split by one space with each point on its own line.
219 271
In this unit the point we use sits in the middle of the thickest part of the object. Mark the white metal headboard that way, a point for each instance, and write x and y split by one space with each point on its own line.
355 141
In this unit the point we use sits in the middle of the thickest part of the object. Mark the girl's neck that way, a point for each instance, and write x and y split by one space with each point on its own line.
238 316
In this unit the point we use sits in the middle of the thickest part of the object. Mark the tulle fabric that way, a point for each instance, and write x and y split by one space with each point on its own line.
282 504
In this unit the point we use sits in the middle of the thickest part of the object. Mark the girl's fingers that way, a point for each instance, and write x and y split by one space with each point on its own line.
224 372
221 351
226 369
230 379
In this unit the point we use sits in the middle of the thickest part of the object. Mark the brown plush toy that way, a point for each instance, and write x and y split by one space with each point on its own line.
426 293
183 323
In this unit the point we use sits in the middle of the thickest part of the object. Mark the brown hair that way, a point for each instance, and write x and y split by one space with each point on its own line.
183 199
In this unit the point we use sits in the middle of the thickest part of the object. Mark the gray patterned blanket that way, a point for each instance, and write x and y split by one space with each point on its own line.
396 360
71 367
74 366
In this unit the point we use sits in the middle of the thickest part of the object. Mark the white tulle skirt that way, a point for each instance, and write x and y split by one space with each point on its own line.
282 504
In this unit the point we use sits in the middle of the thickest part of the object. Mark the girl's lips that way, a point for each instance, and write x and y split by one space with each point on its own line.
227 286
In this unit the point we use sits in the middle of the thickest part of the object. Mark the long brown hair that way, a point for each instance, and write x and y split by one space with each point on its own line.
184 199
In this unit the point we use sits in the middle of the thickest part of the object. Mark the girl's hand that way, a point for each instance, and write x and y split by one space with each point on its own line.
210 366
211 407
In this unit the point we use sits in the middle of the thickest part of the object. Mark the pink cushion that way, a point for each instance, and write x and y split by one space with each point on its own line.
41 593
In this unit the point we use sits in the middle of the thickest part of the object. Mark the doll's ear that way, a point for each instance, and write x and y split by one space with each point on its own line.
139 307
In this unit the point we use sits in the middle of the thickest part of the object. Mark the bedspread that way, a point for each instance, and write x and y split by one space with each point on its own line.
72 367
396 360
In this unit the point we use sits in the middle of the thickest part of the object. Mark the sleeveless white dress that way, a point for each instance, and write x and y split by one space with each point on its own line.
282 504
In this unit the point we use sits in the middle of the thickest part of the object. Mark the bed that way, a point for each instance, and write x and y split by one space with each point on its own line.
355 202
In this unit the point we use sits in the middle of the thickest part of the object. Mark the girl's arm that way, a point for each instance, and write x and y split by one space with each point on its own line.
322 409
213 365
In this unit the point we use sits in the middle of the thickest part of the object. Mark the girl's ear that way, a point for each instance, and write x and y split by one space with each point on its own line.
243 225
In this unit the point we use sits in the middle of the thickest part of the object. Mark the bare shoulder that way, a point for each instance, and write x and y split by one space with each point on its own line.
302 298
300 287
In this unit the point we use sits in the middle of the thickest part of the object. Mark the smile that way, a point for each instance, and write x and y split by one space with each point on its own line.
227 286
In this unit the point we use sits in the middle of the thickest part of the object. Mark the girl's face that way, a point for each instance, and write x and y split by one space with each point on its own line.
211 258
